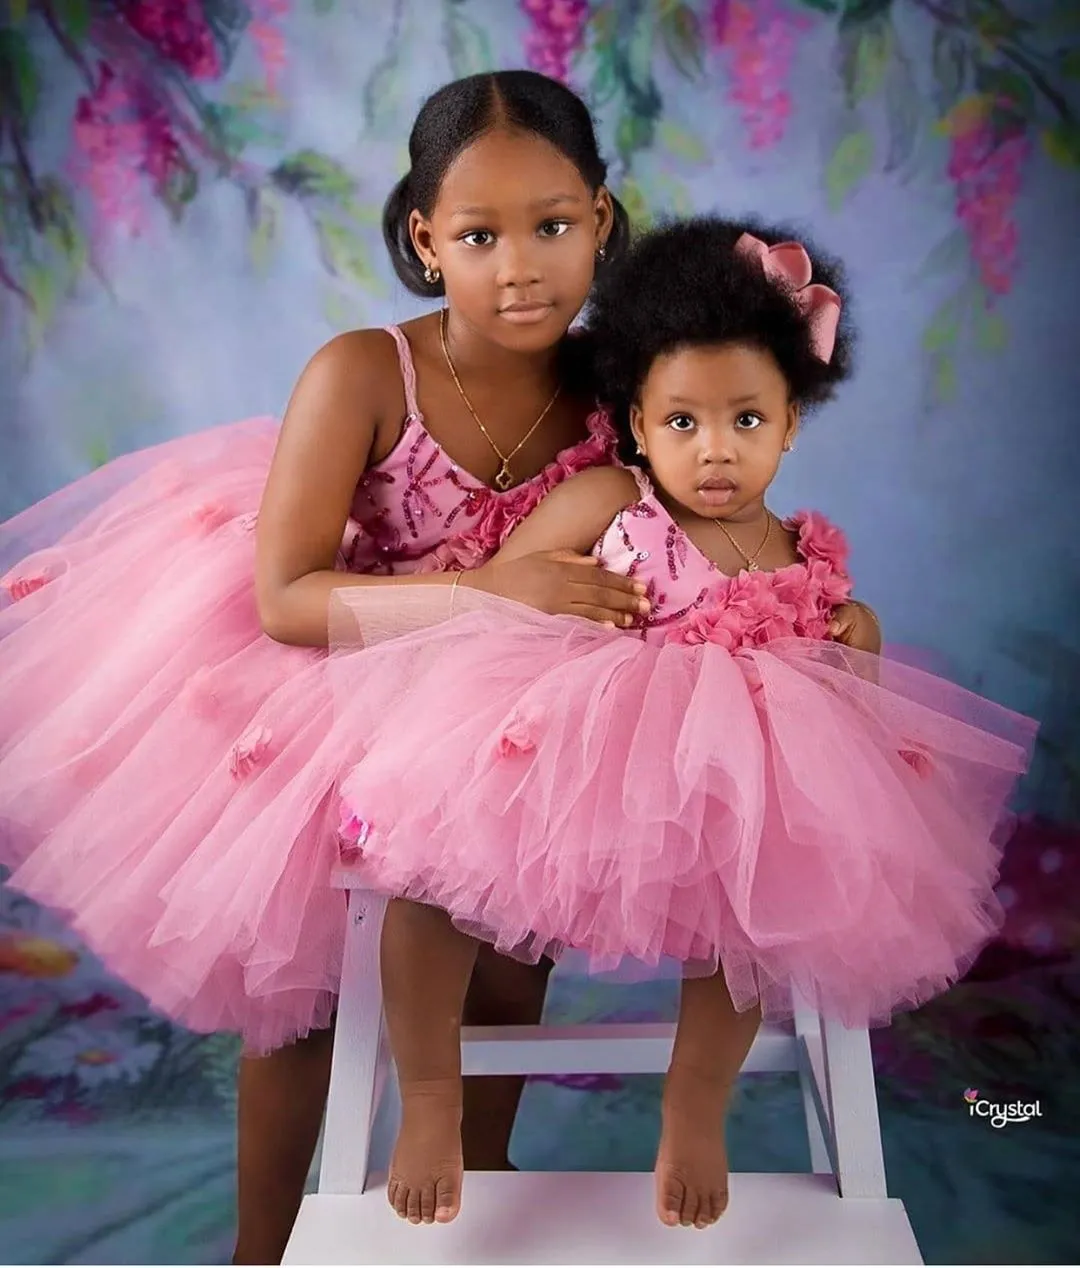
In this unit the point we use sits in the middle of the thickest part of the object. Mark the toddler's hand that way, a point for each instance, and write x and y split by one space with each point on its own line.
856 625
564 584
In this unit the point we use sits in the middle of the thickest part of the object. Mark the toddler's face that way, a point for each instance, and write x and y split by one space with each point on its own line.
713 422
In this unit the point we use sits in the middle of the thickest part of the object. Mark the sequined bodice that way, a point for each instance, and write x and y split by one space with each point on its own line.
693 602
418 511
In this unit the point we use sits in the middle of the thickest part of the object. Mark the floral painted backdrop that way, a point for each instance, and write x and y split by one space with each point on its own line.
190 193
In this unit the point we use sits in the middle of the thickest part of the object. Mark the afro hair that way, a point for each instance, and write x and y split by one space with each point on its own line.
684 285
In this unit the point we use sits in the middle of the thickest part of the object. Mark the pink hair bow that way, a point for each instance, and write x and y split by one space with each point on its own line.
788 264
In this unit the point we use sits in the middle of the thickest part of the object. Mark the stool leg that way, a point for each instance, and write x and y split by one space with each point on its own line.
853 1111
354 1075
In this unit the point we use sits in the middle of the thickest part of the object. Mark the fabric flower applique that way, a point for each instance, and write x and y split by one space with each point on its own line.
246 754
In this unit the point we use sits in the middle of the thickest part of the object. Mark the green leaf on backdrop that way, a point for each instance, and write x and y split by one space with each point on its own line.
98 452
264 215
1070 63
382 92
850 163
467 45
18 69
857 12
821 6
902 110
344 255
74 16
869 62
179 188
17 11
952 251
1002 83
944 328
309 174
633 132
681 32
950 64
632 197
681 142
39 282
991 332
1062 142
945 380
605 83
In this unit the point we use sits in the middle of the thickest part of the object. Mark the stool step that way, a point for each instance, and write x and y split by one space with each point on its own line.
608 1218
635 1048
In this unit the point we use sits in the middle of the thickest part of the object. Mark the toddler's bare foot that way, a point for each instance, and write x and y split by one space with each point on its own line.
426 1169
691 1164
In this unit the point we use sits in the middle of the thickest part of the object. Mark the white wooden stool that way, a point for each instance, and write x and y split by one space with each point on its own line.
839 1214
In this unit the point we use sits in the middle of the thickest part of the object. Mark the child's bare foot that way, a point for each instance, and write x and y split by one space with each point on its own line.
426 1170
691 1164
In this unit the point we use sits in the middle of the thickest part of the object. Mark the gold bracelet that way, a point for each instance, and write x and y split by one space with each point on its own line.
456 582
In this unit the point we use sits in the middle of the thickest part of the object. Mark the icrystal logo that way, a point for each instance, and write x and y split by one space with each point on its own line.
1000 1115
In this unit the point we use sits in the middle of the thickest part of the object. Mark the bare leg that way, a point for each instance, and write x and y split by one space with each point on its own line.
280 1109
711 1043
503 992
282 1098
426 966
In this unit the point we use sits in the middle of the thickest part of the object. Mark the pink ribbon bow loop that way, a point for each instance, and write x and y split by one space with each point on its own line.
788 264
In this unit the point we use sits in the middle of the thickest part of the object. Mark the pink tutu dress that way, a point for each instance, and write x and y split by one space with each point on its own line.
722 787
167 771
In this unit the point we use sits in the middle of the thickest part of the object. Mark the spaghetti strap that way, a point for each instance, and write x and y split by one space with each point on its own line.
642 481
408 370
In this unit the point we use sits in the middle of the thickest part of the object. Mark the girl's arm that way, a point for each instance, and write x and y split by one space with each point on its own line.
348 390
567 525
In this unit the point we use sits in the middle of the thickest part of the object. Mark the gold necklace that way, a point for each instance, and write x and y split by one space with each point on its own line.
751 560
504 477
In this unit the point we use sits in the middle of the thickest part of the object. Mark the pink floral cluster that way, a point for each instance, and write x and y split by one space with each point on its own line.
121 132
755 608
268 38
179 31
558 30
987 174
760 38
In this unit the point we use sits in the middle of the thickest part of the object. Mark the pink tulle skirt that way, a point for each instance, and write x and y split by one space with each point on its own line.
167 772
800 815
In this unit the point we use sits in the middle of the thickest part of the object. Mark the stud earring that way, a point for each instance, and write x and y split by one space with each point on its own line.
789 446
601 253
431 276
641 452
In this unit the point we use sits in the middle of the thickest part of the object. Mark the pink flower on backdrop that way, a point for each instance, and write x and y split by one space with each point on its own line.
99 1002
119 134
557 32
987 173
268 38
760 38
179 31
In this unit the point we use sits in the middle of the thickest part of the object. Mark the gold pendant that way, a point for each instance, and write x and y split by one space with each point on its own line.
503 478
751 566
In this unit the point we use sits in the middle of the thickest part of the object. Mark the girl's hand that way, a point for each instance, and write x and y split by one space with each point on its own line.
563 583
856 625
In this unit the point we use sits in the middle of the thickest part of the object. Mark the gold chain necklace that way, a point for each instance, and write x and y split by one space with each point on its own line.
504 477
751 560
